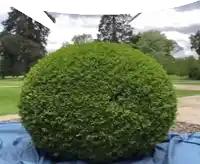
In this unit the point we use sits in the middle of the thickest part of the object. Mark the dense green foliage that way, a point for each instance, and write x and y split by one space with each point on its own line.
194 68
194 72
82 38
154 42
115 28
177 66
22 42
157 45
195 42
19 53
97 101
21 24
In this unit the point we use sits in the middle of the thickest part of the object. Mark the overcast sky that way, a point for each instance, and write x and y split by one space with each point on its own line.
178 24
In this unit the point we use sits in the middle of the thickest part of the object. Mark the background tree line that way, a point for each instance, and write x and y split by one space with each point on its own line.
114 28
23 42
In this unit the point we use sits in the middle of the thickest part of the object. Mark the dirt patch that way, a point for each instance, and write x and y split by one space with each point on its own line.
189 109
187 87
183 127
11 117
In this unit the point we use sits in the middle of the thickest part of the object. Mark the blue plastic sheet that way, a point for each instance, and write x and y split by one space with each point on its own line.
16 148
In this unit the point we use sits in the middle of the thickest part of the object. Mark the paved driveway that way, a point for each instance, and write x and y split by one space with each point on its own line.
187 87
189 109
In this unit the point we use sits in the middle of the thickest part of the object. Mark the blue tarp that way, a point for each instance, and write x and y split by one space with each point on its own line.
16 148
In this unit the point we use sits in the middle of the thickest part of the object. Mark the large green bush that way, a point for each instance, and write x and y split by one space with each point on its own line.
97 102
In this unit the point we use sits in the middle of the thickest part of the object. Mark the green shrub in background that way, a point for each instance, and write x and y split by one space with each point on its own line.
194 72
97 102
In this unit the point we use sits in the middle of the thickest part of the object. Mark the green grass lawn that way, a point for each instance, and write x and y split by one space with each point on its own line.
9 95
10 82
10 91
9 98
183 93
183 80
190 82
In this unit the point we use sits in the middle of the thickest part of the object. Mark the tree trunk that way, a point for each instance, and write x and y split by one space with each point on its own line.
114 33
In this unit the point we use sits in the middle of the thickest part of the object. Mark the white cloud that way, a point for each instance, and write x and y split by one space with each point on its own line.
170 18
182 40
166 18
176 35
68 27
4 8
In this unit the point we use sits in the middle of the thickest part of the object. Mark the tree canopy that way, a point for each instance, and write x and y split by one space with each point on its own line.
114 28
21 24
82 38
154 42
23 41
195 42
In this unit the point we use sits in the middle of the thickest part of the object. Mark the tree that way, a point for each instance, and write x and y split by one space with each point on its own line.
21 24
175 46
65 44
185 65
83 38
114 28
24 38
154 42
4 60
2 66
157 45
19 53
195 42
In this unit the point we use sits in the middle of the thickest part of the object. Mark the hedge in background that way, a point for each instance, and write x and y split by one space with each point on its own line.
97 102
194 72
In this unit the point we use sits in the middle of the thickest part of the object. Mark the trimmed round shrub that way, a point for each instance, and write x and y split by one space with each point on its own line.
97 102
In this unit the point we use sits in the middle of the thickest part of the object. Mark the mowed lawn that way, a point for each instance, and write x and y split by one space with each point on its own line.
10 92
11 83
9 96
189 82
185 81
184 93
